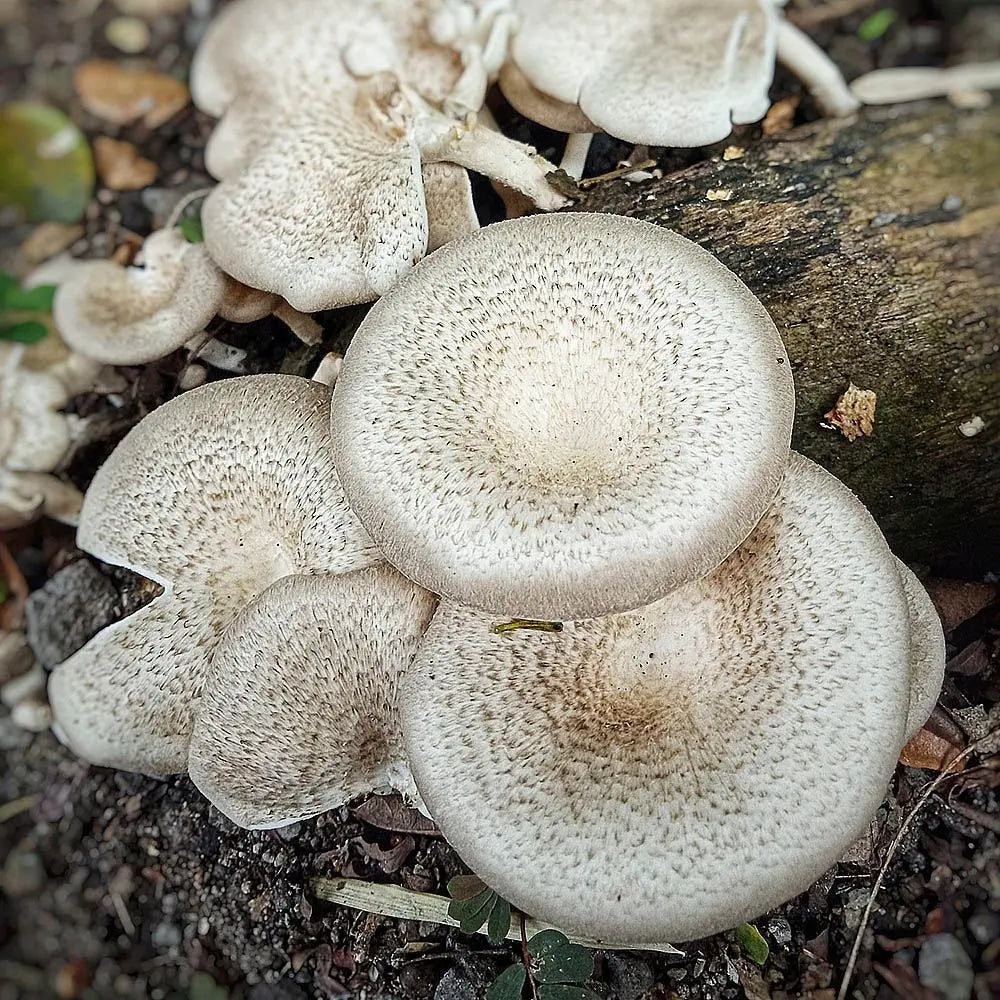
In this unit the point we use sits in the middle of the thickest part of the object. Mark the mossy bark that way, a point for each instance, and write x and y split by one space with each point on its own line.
875 244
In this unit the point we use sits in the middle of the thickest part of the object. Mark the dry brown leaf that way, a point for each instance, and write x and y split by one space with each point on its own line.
854 413
780 116
930 751
48 239
957 600
120 167
389 812
122 96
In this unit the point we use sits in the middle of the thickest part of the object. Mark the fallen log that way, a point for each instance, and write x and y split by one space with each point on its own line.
874 242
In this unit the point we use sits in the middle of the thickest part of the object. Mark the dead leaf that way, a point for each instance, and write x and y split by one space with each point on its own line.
391 859
12 609
902 980
48 239
389 812
972 661
930 751
958 600
120 167
854 413
122 96
780 116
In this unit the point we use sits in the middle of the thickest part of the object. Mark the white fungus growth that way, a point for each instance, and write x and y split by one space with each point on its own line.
667 773
563 416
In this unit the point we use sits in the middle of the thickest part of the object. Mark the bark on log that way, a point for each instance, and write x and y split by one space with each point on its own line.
875 245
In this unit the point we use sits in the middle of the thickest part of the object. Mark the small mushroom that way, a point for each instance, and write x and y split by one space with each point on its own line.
132 315
670 772
215 496
329 109
914 83
658 72
299 712
562 416
34 439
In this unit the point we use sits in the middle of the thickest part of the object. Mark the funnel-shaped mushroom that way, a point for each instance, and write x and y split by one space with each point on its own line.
300 712
662 72
328 109
667 773
215 497
563 416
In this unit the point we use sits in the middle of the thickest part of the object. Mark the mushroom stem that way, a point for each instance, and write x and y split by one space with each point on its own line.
301 324
178 210
408 904
574 160
913 83
478 148
816 70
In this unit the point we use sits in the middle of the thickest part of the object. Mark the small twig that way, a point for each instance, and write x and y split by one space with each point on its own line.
894 846
526 956
501 628
408 904
826 12
589 182
16 806
178 210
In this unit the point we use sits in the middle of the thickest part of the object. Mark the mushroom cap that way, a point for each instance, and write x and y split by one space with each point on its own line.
132 315
215 496
667 773
540 107
663 72
299 712
928 650
563 416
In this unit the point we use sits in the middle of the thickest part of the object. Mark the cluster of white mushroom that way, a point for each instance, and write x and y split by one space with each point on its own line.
718 649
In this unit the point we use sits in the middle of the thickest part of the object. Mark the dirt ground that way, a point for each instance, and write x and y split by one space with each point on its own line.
115 885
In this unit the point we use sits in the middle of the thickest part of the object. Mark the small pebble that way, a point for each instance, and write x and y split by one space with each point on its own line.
32 715
945 967
780 930
971 427
128 35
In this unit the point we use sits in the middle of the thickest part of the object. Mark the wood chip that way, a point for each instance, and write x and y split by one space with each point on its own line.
719 194
122 96
48 239
780 116
930 751
733 153
120 167
854 413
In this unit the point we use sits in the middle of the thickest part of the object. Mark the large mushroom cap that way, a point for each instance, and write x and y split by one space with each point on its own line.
215 496
675 73
563 416
667 773
299 714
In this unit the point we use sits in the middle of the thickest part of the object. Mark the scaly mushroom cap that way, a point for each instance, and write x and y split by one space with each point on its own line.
328 108
563 416
299 713
928 654
215 496
667 773
663 72
132 315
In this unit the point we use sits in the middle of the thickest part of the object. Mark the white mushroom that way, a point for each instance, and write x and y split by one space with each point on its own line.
667 773
34 439
299 713
329 108
124 316
563 416
658 72
215 496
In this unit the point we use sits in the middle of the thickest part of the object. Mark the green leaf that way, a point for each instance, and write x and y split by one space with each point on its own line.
563 991
752 944
46 167
7 282
557 960
190 226
466 886
28 332
204 987
499 925
508 985
38 299
472 913
874 26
